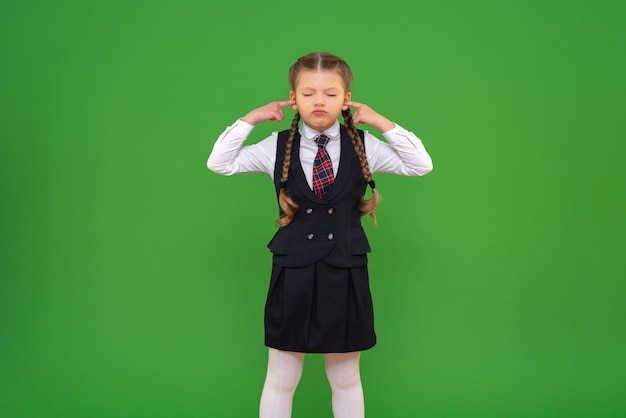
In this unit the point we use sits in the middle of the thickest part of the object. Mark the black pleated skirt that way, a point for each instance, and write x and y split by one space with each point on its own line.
319 309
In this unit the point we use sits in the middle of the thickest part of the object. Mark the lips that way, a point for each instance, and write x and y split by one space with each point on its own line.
319 112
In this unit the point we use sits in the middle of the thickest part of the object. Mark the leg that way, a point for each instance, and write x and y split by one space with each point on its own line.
284 369
342 370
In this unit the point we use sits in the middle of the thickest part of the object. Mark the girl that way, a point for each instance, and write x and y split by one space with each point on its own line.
319 298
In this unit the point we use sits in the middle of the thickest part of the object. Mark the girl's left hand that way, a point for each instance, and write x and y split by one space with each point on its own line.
367 115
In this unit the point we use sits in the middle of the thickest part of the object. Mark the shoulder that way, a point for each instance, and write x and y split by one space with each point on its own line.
282 134
281 137
344 131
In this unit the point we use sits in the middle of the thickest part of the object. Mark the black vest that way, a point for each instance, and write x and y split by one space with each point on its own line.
327 229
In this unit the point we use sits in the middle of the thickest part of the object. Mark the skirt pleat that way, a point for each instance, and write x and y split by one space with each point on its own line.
319 309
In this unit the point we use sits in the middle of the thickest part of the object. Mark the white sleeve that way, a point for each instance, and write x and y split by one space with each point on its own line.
229 156
403 154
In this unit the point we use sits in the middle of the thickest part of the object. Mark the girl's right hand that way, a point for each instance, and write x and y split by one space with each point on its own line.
271 111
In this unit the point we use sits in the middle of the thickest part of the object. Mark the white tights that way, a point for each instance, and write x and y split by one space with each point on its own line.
284 369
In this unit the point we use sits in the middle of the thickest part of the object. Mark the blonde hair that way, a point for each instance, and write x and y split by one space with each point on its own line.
327 62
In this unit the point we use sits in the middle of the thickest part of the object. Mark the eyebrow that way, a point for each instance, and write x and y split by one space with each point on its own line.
312 88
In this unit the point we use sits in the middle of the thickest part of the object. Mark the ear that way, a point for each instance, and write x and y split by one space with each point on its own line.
292 96
347 98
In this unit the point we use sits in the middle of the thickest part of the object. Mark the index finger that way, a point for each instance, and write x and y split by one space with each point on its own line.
285 103
355 105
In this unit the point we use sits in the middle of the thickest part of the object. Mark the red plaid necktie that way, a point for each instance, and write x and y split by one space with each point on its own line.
323 175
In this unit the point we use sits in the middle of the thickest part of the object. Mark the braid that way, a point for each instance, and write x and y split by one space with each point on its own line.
287 204
367 206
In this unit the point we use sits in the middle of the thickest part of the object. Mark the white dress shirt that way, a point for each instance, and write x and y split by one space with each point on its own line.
403 154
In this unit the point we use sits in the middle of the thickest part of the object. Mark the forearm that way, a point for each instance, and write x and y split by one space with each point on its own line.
404 153
227 148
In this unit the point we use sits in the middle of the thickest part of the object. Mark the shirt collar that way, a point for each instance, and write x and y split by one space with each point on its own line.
310 134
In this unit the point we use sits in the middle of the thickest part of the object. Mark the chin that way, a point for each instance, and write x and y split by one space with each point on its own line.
319 124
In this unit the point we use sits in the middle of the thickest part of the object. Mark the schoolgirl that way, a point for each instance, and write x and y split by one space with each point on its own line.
319 298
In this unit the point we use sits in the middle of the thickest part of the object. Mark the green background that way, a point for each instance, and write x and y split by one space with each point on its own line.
133 279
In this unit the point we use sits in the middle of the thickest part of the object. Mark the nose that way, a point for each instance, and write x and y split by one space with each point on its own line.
319 100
